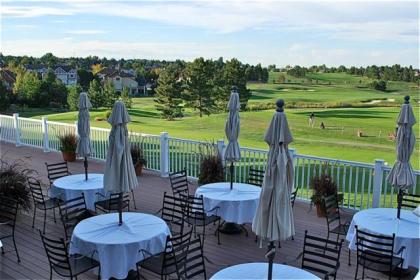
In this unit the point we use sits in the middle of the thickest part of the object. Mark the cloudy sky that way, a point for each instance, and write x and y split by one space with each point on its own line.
269 32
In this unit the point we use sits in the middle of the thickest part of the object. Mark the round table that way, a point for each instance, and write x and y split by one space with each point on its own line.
117 247
384 221
238 205
72 186
260 271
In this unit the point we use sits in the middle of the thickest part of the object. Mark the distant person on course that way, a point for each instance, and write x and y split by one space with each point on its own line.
312 119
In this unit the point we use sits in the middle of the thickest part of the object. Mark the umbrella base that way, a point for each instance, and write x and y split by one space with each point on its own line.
232 228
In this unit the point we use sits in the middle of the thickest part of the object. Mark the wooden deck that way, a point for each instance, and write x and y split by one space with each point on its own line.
234 249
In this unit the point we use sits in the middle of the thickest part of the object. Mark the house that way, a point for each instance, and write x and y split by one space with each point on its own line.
120 79
65 73
8 78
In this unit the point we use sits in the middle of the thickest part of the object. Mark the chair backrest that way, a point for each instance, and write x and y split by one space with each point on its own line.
370 245
70 212
332 211
255 177
176 251
36 191
410 201
57 170
195 208
321 255
195 263
293 196
8 210
172 212
56 251
179 182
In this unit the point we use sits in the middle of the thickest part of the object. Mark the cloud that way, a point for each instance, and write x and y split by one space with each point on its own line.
86 32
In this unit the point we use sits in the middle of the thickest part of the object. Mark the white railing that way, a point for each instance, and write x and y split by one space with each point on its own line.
363 185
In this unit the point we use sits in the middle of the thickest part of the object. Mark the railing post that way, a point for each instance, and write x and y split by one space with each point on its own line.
45 134
377 182
17 129
221 148
292 153
164 154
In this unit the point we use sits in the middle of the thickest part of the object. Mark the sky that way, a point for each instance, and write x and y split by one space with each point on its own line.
351 33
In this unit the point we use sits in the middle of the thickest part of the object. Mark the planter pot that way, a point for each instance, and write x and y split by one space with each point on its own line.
138 168
69 156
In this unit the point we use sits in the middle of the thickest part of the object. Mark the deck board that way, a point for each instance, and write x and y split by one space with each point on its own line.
234 249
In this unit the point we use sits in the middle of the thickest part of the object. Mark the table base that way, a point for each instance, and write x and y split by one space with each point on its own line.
232 228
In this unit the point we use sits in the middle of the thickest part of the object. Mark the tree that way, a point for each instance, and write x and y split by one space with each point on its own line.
96 68
168 93
233 75
199 86
96 95
73 97
49 59
281 79
84 78
109 94
125 97
378 85
4 97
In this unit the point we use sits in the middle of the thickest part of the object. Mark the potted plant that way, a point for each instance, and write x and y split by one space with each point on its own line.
211 166
68 144
323 185
13 179
138 158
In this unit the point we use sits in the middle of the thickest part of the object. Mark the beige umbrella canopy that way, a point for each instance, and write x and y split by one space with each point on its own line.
274 218
232 128
84 148
120 175
401 175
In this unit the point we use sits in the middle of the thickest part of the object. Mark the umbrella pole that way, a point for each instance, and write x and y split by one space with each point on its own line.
120 198
271 252
85 163
231 175
399 198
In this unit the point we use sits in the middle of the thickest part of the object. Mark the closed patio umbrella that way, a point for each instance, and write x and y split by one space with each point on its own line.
84 148
120 175
232 127
274 218
401 175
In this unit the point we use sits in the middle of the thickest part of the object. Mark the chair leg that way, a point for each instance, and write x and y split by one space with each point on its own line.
218 234
134 199
45 219
50 272
16 249
55 221
349 256
33 219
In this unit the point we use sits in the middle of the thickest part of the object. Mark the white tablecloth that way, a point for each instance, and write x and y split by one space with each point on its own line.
260 271
384 221
73 186
117 247
238 205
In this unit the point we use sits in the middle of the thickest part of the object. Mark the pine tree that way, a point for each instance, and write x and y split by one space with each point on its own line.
199 86
109 94
234 75
168 93
125 97
96 94
73 97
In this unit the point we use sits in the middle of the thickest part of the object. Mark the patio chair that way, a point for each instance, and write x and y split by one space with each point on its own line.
293 196
410 201
334 224
72 212
173 212
195 266
110 204
65 265
171 260
179 182
57 170
40 201
376 252
255 177
196 216
8 214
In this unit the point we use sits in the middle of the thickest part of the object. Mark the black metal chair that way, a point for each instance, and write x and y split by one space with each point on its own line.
321 255
293 196
72 212
376 252
255 177
333 217
410 201
195 266
57 170
196 216
40 201
8 214
111 204
171 260
179 182
63 264
173 212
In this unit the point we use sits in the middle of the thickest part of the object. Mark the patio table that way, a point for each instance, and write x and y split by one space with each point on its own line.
117 248
238 205
260 271
72 186
384 221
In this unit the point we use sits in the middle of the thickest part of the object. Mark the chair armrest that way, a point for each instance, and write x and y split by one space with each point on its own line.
295 260
401 250
332 272
145 252
100 194
158 211
216 209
